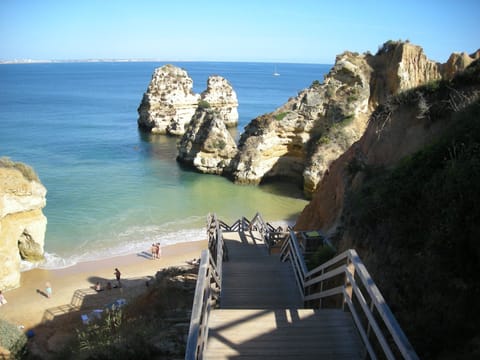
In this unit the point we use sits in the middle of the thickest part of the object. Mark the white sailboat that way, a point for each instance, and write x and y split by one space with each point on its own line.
275 73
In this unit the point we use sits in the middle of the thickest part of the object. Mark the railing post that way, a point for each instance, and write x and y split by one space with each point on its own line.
320 302
350 268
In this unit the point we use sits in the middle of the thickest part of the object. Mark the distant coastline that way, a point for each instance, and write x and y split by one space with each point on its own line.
79 61
33 61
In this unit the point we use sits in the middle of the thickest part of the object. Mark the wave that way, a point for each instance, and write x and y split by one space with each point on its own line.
133 240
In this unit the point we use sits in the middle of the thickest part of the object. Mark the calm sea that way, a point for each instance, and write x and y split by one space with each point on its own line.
113 190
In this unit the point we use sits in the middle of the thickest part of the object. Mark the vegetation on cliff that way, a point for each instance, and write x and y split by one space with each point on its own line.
416 225
25 169
154 325
12 339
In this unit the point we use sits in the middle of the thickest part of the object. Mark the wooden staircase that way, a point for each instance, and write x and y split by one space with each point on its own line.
250 304
261 315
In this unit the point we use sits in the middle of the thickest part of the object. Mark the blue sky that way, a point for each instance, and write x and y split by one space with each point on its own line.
312 31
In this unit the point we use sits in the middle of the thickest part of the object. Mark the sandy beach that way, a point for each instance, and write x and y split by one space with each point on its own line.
73 286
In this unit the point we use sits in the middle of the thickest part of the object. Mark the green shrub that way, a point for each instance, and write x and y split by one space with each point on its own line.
202 104
220 144
321 255
388 46
281 115
25 169
12 339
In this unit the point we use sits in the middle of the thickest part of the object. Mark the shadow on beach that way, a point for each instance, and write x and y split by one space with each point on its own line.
42 293
60 322
145 255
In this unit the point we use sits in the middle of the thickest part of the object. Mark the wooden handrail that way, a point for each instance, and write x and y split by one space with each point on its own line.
209 279
349 265
291 251
197 332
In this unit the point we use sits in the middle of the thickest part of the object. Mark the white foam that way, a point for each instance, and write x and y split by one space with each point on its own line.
132 241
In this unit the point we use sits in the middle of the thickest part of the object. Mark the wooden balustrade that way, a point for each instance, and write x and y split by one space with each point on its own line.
345 282
342 282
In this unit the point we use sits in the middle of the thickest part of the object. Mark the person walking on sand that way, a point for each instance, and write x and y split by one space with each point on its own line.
48 289
117 275
3 301
158 250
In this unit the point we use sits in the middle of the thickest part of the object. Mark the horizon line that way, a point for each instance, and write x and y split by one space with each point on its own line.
107 60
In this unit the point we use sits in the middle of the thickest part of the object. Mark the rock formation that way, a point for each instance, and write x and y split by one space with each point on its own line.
169 103
222 98
22 223
207 145
300 139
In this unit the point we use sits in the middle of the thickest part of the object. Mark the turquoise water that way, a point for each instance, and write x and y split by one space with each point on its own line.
112 189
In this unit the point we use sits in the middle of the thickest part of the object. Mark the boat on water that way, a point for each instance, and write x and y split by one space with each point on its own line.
275 73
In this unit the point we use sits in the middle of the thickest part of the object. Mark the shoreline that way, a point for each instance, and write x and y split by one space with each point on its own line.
72 285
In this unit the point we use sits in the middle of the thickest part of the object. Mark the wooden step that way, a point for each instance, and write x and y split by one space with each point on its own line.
282 333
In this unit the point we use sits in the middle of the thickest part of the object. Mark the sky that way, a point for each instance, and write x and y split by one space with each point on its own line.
296 31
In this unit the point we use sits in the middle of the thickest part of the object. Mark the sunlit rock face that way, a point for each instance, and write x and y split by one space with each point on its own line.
222 98
300 139
207 145
22 223
169 102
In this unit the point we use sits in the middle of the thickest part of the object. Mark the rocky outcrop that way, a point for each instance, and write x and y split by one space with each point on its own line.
222 98
207 145
22 223
404 124
169 102
300 139
458 62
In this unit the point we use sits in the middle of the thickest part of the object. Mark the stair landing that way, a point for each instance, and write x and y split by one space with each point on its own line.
282 334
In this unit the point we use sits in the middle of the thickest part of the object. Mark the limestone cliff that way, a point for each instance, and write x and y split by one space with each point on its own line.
207 145
22 223
169 102
300 139
405 197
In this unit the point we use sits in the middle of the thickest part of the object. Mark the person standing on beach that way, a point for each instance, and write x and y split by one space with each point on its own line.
3 301
48 289
153 250
158 250
117 275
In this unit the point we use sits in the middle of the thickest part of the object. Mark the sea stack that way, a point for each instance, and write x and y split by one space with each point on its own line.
222 98
22 223
169 102
207 145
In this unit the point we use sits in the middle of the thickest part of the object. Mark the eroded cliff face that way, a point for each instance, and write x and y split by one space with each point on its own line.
207 145
301 139
22 223
169 102
416 232
403 125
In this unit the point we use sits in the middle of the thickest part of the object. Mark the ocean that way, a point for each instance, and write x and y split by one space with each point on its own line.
113 190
